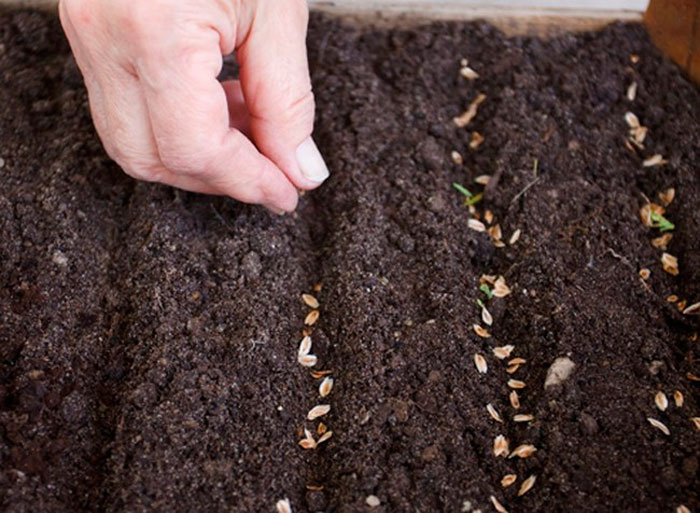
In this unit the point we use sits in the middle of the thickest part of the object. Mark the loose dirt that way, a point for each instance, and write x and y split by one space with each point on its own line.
148 337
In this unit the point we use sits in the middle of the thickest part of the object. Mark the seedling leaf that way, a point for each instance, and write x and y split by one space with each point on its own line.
486 290
474 199
462 189
660 222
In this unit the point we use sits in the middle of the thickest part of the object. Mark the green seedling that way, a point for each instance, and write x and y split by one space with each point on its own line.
480 303
486 290
469 197
463 190
660 222
474 199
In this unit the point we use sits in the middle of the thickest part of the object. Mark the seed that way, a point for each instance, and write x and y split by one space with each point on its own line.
457 158
307 360
305 346
322 428
516 383
512 369
661 401
682 509
632 91
495 232
500 289
508 480
499 507
644 273
654 160
527 485
523 451
692 377
681 305
670 264
312 317
515 237
373 501
667 196
480 363
476 225
500 446
514 399
486 316
325 387
692 309
494 413
481 331
645 215
465 118
482 179
696 422
659 425
284 506
638 135
320 373
488 216
315 487
317 287
662 241
476 141
678 398
523 418
324 437
487 278
672 298
634 58
632 120
310 300
517 361
503 352
308 441
318 411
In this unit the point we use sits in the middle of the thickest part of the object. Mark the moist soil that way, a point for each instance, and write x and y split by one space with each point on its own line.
148 355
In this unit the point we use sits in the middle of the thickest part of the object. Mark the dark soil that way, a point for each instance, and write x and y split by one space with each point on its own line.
148 336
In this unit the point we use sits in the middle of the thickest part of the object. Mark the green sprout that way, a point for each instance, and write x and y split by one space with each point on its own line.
474 199
469 197
480 303
463 190
660 222
486 290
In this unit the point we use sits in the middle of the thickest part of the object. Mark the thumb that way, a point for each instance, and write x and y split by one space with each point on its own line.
274 74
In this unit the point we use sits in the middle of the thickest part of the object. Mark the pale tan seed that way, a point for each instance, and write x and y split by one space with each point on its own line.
317 287
499 507
488 216
517 361
644 273
638 135
696 422
318 411
482 179
325 437
312 317
661 401
516 383
325 387
500 289
645 215
672 298
465 118
503 352
512 369
483 333
457 158
500 446
662 241
308 441
515 237
659 425
634 58
494 413
632 120
284 506
654 160
692 309
523 418
486 316
322 428
320 373
682 509
480 363
310 300
495 232
468 73
305 346
667 196
508 480
670 264
678 398
523 451
308 360
489 279
476 141
692 377
372 501
681 305
527 485
632 91
476 225
514 399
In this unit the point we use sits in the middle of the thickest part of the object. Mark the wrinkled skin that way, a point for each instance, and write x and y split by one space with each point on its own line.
150 69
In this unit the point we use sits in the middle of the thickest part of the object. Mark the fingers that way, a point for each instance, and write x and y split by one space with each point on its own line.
275 80
237 110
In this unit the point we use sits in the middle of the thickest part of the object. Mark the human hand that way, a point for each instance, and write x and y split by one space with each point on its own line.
150 68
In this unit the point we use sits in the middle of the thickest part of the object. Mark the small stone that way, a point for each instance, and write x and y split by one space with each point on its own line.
559 371
2 162
373 501
59 258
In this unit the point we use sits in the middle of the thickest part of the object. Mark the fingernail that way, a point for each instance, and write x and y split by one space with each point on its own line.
311 162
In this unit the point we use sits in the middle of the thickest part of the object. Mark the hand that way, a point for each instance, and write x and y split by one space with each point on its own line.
150 68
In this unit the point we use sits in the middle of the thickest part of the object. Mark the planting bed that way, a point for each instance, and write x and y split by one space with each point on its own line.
148 337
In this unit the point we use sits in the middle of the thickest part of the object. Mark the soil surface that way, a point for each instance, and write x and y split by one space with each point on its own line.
148 337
